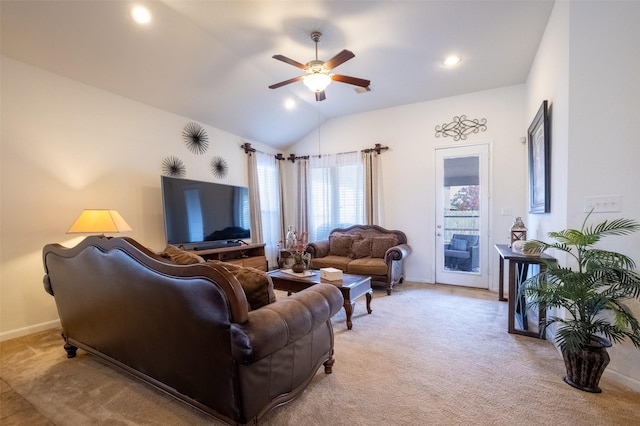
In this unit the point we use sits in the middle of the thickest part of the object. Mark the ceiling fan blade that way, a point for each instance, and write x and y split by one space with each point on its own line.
320 96
350 80
290 61
340 58
284 83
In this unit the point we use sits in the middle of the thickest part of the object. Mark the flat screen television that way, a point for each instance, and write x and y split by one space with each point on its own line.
202 215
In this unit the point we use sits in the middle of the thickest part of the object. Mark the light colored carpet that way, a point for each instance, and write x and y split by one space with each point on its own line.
428 354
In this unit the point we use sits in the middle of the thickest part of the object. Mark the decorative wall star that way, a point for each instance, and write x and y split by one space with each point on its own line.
196 138
219 167
173 166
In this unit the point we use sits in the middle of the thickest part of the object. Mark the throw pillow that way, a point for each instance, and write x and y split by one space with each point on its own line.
181 257
380 245
361 248
257 285
340 245
458 244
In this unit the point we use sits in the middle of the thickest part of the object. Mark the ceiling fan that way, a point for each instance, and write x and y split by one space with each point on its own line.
317 76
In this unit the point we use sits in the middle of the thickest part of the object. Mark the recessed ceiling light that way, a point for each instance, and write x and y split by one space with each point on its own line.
289 104
452 60
141 15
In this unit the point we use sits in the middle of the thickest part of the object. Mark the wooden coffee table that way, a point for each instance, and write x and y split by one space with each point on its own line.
351 287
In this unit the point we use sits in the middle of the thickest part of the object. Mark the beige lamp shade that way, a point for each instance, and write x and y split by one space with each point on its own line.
99 221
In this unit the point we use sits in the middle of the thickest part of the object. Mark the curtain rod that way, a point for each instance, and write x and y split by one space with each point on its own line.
248 149
378 149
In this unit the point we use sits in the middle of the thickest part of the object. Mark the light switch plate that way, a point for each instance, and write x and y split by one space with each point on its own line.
603 204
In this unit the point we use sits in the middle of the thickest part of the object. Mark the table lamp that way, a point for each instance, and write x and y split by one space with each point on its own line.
101 221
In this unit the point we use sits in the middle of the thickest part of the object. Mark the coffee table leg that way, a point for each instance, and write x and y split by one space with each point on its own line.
348 308
369 301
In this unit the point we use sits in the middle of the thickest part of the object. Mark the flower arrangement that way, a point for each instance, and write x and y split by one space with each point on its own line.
296 244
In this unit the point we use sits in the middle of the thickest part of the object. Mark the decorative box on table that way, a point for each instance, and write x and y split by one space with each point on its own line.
331 274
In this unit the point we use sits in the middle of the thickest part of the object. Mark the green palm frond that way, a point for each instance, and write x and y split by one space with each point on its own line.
614 227
592 294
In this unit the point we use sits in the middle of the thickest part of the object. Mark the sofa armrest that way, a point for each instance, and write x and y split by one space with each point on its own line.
318 248
278 324
397 253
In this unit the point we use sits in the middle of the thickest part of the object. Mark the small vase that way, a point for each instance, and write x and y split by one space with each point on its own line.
298 267
300 262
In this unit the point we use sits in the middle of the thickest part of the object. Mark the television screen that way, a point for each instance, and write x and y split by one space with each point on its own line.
202 215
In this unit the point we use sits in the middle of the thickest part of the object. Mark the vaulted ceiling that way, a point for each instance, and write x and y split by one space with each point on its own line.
211 61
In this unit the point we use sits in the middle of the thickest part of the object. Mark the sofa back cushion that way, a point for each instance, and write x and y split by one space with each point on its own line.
361 248
257 284
340 244
179 256
380 245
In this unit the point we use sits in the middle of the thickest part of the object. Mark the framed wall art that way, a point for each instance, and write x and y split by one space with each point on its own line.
539 162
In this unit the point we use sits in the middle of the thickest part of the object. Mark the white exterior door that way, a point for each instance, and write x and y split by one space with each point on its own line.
462 215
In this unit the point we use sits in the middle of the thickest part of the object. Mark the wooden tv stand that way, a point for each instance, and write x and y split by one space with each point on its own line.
248 255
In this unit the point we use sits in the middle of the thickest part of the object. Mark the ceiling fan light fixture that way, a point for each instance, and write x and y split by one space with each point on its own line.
317 82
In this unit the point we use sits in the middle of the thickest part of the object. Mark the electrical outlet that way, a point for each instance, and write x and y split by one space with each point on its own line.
603 204
506 211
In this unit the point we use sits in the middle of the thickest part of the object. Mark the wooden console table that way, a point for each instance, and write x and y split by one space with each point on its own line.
247 255
518 269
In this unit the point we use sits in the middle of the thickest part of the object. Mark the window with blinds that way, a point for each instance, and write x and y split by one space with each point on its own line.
336 194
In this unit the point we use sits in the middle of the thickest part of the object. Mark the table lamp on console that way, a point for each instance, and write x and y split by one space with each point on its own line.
99 221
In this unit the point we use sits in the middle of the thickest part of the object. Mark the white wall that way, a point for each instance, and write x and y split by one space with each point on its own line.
604 138
408 166
587 67
67 146
549 80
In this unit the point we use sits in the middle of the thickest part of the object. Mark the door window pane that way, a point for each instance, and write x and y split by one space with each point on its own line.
461 215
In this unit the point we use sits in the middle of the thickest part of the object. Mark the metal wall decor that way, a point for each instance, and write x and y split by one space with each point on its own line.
219 167
173 166
460 127
196 138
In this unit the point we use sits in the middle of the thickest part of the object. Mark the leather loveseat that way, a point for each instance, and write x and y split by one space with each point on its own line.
363 250
189 329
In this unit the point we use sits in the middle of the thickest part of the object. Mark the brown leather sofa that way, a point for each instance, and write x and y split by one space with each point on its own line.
188 329
363 250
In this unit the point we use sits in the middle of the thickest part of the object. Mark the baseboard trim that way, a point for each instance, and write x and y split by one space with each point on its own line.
13 334
627 381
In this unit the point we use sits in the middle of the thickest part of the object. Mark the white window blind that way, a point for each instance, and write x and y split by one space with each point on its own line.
336 193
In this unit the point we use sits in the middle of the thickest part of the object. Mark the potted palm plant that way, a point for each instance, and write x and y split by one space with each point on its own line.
593 294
